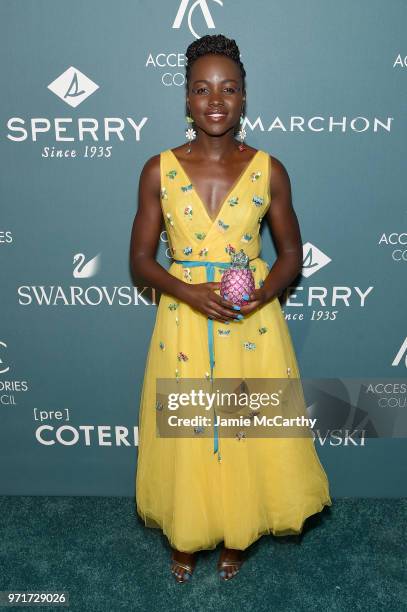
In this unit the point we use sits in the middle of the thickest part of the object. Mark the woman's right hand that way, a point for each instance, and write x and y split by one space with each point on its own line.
202 297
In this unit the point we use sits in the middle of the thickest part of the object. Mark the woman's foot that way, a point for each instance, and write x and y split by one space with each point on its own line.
182 565
229 563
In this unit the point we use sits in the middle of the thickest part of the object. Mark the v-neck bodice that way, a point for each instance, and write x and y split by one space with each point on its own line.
192 233
233 188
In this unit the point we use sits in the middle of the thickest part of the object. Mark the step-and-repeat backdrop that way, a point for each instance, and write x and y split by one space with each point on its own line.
90 91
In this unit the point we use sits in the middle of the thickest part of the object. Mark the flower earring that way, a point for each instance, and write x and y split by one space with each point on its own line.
189 132
241 134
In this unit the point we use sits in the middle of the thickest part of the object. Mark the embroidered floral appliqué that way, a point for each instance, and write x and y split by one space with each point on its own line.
255 175
257 200
223 332
222 226
233 201
188 210
186 273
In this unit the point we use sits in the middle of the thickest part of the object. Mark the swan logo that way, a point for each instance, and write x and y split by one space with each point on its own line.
203 5
83 270
401 355
313 259
86 295
73 87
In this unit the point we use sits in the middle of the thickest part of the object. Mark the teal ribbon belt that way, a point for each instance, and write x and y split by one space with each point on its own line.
210 276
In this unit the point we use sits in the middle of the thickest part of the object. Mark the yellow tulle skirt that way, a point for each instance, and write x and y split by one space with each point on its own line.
262 485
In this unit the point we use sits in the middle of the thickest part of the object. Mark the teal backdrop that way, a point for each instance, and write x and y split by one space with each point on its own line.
90 91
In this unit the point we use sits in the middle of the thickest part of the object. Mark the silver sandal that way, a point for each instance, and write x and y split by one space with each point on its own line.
187 574
225 564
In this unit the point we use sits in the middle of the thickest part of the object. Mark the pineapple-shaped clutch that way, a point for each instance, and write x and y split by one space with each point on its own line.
238 279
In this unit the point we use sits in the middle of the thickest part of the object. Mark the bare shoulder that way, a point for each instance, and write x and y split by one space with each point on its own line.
278 170
150 176
279 177
151 168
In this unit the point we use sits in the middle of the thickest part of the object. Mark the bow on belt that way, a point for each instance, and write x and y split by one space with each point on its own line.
210 276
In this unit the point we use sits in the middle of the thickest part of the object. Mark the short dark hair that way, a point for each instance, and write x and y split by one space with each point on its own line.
219 44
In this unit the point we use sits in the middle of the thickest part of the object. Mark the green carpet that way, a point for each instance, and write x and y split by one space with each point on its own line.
351 556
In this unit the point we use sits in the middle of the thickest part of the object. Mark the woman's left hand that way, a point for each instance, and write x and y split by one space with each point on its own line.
257 298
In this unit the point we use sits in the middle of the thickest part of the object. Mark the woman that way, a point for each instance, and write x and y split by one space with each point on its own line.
213 194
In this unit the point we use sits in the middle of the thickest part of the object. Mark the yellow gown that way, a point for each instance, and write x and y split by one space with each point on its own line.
251 486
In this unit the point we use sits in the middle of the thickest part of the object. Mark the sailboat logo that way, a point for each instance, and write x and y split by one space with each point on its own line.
313 259
73 87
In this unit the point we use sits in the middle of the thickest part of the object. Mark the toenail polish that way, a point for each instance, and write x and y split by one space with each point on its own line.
245 296
240 316
236 307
